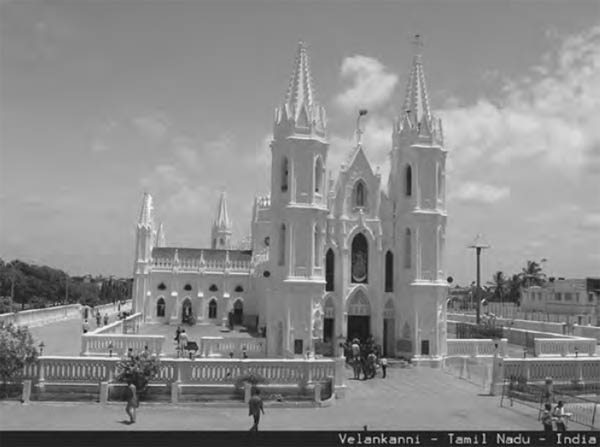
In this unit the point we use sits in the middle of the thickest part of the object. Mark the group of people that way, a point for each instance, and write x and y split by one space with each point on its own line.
100 320
364 358
556 417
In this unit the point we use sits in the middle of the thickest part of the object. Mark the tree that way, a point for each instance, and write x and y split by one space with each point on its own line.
139 370
17 349
532 275
499 286
514 289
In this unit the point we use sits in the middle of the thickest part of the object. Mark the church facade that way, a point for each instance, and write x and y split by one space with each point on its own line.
328 260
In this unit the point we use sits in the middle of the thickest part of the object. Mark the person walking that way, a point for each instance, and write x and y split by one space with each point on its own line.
86 326
106 319
561 416
255 407
132 402
383 363
547 418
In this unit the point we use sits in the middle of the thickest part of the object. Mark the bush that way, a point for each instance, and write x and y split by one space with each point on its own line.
139 370
252 378
17 349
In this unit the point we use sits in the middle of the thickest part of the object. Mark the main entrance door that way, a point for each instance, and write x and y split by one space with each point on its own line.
388 337
359 317
359 327
238 313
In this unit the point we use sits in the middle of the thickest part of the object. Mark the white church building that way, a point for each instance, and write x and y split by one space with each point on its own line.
327 260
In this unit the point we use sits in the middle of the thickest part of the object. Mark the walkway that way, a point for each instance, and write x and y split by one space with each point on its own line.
409 399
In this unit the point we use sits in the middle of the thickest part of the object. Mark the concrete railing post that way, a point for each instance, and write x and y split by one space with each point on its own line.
247 392
318 393
103 393
340 378
26 398
174 392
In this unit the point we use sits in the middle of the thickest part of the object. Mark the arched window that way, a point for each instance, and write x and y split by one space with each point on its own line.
408 185
317 240
389 272
329 270
284 174
407 248
360 194
213 288
360 259
160 307
282 245
162 286
318 175
212 309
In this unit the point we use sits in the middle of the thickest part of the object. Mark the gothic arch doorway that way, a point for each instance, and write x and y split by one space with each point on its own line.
389 329
359 317
238 312
186 311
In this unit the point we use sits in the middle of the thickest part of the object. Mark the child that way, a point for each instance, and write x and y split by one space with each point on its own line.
383 363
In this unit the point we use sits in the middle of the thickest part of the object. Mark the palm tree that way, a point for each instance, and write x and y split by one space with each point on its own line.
532 275
514 289
499 285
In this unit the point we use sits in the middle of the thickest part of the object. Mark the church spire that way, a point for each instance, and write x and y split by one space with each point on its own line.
160 236
221 231
416 102
300 112
147 214
222 220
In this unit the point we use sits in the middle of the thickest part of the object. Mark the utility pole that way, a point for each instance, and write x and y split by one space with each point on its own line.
479 245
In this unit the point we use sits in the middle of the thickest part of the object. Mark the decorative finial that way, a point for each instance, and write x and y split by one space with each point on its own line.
361 113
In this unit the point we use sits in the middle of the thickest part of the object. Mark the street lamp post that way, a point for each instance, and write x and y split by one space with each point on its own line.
479 245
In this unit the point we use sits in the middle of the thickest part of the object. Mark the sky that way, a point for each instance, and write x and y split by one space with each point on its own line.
102 101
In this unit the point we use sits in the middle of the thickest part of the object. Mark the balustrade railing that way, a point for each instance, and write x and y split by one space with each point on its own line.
564 347
40 317
560 369
119 344
185 371
224 346
477 347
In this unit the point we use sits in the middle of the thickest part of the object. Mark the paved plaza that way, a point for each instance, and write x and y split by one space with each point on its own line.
408 399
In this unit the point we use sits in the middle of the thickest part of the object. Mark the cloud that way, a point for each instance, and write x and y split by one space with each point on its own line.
371 84
99 146
154 126
480 193
590 221
549 115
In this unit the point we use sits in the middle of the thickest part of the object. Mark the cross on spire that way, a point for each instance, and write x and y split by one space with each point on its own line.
418 42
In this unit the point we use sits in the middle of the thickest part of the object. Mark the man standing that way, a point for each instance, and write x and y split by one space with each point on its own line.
255 407
132 402
86 326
